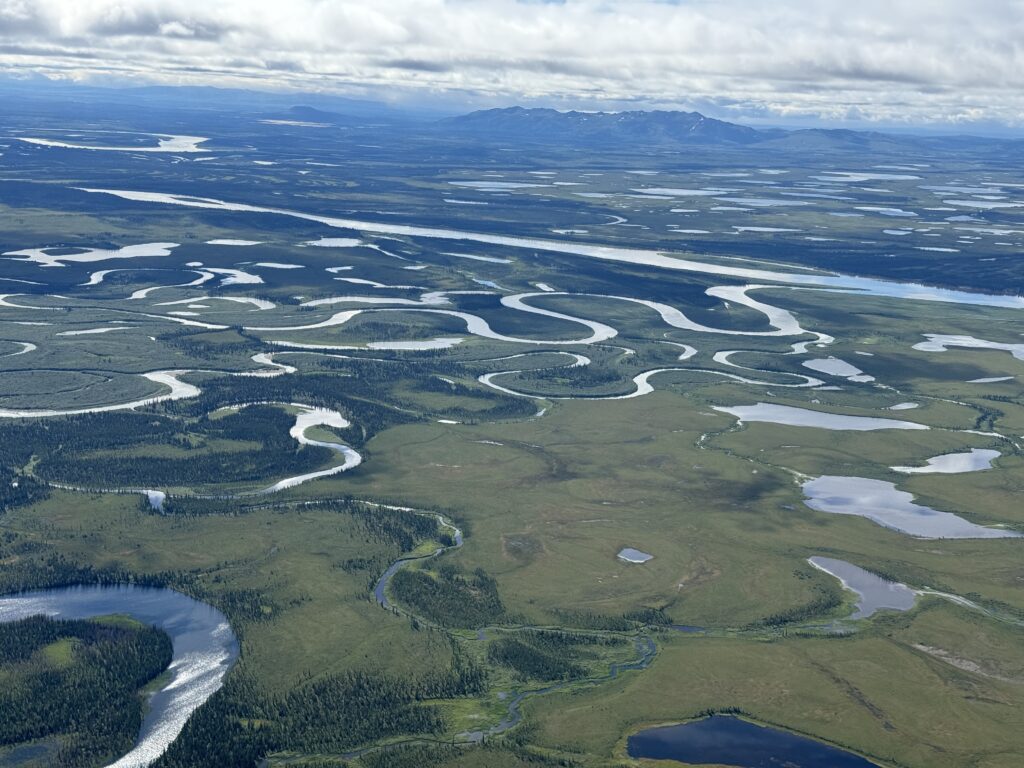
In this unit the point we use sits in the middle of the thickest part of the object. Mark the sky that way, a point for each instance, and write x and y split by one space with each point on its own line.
917 63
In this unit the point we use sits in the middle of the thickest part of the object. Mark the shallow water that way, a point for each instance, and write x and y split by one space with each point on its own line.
630 555
317 417
938 342
94 331
165 143
44 258
836 367
475 324
444 342
179 391
724 740
975 460
803 417
233 276
261 304
205 648
875 593
991 380
26 347
610 253
888 506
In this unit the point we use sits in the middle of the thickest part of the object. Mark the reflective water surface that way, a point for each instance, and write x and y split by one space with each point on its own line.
886 505
874 592
974 460
804 417
724 740
205 648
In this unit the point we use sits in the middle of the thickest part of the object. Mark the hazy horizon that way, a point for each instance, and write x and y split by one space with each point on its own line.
954 67
414 105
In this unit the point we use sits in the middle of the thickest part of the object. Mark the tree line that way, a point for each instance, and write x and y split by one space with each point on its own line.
450 598
78 680
242 723
18 489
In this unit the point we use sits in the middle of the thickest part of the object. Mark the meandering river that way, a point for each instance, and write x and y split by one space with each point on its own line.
205 648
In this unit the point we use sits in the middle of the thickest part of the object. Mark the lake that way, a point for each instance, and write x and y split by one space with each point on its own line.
873 592
725 740
888 506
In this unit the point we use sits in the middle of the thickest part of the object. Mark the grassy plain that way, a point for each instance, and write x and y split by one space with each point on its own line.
876 693
318 618
547 502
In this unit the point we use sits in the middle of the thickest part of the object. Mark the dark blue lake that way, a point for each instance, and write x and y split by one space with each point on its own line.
723 740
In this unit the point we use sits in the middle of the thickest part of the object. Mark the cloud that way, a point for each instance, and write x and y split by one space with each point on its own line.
915 61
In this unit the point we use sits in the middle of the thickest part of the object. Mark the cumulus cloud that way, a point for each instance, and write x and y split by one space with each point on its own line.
914 60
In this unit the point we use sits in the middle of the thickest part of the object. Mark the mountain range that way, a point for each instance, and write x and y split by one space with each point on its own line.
655 129
669 129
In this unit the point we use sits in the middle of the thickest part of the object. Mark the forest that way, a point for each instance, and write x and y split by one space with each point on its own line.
90 450
241 723
79 681
18 489
450 599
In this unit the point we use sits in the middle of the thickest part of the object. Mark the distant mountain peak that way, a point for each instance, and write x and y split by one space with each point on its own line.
656 126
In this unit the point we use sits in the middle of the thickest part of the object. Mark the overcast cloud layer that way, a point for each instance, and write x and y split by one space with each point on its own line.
915 61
